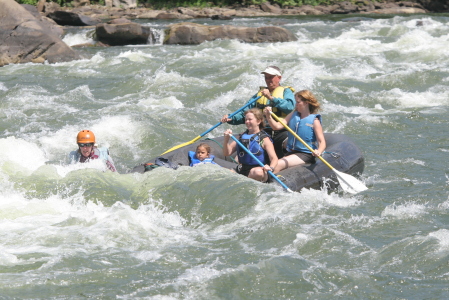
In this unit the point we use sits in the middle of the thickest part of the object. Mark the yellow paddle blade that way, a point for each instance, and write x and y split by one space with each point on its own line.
182 145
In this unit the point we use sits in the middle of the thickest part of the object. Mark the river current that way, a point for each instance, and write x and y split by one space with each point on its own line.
77 232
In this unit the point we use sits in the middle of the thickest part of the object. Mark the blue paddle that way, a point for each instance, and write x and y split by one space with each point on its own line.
260 163
213 127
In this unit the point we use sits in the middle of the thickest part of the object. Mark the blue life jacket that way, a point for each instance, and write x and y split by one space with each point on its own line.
254 143
97 153
304 129
195 161
102 153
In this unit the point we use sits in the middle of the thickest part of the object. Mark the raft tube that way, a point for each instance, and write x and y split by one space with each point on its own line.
341 153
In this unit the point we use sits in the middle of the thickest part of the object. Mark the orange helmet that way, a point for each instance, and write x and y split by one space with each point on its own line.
85 136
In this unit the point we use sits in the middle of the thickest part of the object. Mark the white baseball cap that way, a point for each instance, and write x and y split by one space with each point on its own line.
272 70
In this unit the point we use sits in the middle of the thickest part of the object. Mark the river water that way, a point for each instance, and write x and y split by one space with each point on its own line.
76 232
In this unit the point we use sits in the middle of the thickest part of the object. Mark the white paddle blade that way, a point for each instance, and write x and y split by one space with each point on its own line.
349 183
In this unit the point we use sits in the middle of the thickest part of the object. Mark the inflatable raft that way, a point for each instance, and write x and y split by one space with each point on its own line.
341 153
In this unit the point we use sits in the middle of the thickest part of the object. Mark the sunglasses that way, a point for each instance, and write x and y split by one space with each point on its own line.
85 145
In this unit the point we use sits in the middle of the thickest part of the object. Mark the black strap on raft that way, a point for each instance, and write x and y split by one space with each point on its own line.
221 146
163 162
160 162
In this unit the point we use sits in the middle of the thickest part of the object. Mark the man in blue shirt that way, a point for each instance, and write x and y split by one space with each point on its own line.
280 98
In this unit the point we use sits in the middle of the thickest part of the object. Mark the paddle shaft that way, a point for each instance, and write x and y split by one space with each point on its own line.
230 116
300 139
259 162
213 127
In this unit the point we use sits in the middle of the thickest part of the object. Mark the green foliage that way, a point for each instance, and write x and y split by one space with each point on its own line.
31 2
60 2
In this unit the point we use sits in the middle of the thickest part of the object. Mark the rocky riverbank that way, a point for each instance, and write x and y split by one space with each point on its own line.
265 9
33 34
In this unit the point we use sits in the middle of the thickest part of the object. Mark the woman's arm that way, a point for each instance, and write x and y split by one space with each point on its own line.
268 146
228 148
273 123
318 129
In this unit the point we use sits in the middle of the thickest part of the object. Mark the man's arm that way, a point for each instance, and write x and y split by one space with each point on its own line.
286 104
239 118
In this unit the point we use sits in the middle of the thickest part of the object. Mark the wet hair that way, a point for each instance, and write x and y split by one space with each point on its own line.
306 95
259 116
205 146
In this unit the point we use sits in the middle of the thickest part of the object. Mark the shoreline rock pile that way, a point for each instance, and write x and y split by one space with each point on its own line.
33 34
263 10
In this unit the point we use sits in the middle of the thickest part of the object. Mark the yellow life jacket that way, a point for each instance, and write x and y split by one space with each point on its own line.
277 93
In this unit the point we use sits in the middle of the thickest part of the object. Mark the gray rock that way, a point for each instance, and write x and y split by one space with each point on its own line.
26 39
172 16
40 6
187 11
221 17
45 22
124 3
346 7
119 21
77 3
435 5
267 7
152 14
49 7
192 34
123 34
399 10
72 19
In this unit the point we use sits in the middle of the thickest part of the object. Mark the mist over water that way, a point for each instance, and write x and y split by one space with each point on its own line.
78 231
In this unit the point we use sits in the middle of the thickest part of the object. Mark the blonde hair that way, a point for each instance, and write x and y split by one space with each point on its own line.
259 116
307 96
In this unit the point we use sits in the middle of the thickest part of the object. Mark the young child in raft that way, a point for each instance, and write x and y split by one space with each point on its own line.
201 155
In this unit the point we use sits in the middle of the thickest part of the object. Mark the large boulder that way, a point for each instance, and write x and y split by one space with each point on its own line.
435 5
399 10
72 19
123 34
78 3
192 34
25 39
46 23
267 7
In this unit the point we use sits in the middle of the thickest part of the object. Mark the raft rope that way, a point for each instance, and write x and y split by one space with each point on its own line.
333 154
221 146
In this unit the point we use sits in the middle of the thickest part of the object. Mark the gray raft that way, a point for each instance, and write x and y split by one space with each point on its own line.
341 153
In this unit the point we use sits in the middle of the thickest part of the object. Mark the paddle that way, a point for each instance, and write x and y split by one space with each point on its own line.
260 163
347 182
213 127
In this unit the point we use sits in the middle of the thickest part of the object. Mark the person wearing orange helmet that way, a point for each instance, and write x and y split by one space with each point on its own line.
87 150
